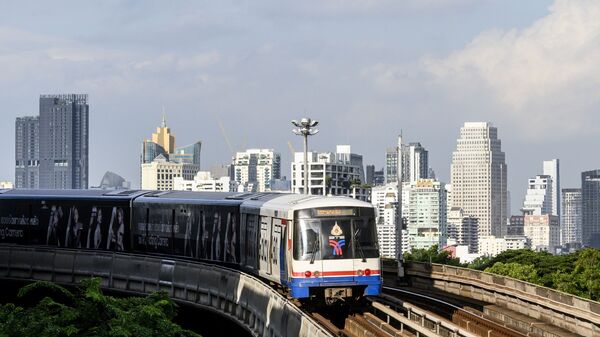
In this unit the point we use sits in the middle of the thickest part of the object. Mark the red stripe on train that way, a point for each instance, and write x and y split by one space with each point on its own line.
337 273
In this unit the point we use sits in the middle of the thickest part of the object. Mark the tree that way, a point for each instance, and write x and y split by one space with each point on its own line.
432 255
88 313
524 272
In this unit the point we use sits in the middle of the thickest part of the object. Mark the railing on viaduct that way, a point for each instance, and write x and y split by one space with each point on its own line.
242 298
575 314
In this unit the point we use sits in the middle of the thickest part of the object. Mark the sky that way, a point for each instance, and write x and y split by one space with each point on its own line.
366 69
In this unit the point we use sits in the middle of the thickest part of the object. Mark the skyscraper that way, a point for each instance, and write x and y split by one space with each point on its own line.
414 162
27 152
590 207
478 177
571 216
370 175
63 141
426 213
551 168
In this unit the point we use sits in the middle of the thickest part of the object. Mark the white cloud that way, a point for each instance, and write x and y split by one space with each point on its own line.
543 79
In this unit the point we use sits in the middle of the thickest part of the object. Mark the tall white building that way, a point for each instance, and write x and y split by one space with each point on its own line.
426 212
538 199
256 168
160 173
551 168
329 173
543 232
571 216
385 200
478 177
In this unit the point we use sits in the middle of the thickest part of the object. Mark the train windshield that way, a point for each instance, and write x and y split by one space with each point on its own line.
335 238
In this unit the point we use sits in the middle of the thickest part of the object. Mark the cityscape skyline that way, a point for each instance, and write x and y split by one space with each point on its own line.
212 82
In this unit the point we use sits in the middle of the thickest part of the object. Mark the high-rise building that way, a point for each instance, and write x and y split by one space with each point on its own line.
343 154
385 200
543 232
204 182
379 178
426 214
463 229
328 174
189 154
163 137
478 174
516 225
370 175
571 216
590 208
64 141
161 162
538 199
414 162
27 152
255 168
551 168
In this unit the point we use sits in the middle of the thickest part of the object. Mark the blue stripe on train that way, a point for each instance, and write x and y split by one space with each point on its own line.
299 287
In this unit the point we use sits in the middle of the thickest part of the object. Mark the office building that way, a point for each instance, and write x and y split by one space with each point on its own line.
538 199
189 154
161 162
413 165
551 168
64 141
426 211
478 177
516 225
254 169
590 208
379 178
463 229
27 152
370 172
543 232
160 173
571 216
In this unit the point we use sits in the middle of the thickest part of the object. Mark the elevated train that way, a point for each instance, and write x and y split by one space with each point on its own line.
319 248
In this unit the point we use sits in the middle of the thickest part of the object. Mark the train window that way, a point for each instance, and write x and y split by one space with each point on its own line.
365 236
336 238
307 245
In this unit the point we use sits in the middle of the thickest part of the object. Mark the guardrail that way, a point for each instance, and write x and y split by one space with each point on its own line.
240 297
576 314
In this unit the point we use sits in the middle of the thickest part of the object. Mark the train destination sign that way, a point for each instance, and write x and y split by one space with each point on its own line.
335 212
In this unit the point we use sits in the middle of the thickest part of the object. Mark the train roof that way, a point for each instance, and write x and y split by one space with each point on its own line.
66 194
301 201
231 198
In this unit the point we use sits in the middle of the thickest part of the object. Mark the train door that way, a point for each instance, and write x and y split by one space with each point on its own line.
276 237
265 245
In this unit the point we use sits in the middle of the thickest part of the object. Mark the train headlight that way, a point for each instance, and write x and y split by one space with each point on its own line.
359 272
316 273
367 272
307 273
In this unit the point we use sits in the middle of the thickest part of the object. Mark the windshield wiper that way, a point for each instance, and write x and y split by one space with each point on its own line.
314 250
357 242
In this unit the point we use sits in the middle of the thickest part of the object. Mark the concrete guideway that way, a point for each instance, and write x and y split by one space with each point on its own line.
240 297
562 310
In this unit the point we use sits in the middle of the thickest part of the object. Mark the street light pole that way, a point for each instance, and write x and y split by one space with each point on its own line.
305 128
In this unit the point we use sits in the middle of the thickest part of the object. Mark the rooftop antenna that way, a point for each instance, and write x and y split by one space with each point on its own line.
164 117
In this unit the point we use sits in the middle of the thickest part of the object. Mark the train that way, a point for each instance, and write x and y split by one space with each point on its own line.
320 249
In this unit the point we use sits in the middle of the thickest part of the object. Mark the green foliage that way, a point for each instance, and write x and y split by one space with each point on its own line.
432 255
89 313
524 272
577 273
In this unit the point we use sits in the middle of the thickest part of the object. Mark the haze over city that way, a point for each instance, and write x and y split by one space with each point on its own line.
365 69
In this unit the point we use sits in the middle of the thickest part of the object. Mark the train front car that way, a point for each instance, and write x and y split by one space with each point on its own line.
335 251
